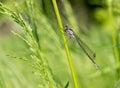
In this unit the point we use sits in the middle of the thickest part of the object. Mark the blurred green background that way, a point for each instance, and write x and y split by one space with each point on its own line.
96 22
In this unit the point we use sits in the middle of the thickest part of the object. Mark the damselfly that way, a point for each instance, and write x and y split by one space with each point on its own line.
83 46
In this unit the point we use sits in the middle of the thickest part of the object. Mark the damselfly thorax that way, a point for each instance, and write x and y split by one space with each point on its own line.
69 31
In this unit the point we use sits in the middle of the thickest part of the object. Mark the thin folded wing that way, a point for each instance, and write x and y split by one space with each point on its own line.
86 49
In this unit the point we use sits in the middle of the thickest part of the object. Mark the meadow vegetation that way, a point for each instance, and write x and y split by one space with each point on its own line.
35 53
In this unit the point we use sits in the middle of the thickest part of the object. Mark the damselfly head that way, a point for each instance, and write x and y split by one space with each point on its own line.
66 27
69 31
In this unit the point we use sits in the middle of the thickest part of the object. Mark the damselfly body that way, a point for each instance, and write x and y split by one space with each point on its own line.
91 55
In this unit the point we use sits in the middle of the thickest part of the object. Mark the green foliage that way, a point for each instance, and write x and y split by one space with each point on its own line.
31 38
36 58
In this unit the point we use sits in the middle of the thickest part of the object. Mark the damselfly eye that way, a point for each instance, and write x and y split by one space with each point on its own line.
66 28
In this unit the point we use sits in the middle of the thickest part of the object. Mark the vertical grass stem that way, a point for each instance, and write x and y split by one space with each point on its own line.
65 43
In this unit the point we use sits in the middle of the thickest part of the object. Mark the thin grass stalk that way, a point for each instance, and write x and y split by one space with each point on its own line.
29 39
115 38
76 85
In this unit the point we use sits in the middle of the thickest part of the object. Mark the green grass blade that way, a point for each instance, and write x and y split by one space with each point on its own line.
66 86
65 43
